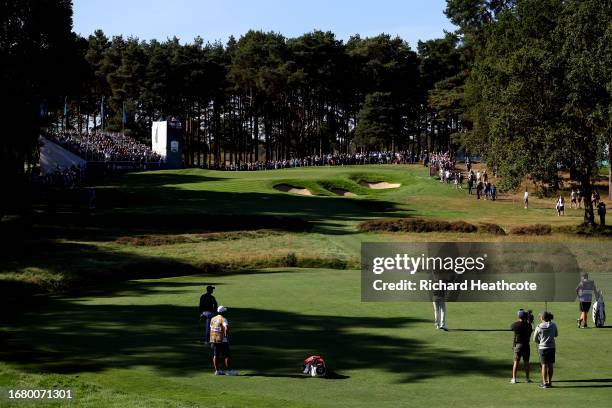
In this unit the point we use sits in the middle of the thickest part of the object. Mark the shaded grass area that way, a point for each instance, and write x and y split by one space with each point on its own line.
536 229
45 267
119 342
166 239
172 223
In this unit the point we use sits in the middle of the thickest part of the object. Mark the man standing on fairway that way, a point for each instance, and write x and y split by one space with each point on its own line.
207 309
585 290
522 334
544 335
219 337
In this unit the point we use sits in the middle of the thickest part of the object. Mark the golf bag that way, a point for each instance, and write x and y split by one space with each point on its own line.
314 366
599 311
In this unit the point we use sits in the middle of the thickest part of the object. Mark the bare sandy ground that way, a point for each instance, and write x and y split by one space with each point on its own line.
343 192
383 185
286 188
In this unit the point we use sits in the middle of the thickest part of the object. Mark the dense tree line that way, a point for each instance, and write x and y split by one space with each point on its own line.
265 96
36 46
538 98
524 83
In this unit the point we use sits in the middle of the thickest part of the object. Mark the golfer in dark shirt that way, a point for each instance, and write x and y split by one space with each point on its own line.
207 309
520 346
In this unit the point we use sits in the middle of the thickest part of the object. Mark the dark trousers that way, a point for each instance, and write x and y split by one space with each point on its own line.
602 219
206 317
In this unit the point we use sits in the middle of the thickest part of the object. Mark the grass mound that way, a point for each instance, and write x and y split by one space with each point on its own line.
416 225
491 228
588 231
535 229
159 240
287 188
342 187
342 192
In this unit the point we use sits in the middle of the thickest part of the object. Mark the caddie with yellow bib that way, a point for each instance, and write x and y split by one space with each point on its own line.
219 339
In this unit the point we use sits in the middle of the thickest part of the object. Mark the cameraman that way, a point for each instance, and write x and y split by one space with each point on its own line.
522 329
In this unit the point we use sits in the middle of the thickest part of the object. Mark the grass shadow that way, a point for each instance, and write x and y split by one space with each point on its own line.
72 335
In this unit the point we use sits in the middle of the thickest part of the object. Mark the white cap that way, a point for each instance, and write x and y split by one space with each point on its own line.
221 309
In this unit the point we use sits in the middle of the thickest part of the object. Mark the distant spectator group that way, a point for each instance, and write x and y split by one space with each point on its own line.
62 178
443 166
103 146
335 159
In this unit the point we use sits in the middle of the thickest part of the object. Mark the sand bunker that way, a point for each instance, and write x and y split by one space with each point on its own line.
342 192
383 185
286 188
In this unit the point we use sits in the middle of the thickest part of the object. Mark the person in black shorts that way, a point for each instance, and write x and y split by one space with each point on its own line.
545 335
520 346
219 339
585 290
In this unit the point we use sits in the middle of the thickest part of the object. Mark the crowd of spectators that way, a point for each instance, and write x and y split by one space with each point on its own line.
62 178
443 166
103 146
336 159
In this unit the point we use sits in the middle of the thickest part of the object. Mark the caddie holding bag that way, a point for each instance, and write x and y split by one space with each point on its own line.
586 290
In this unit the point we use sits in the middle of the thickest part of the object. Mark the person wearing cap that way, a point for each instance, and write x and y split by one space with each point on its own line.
545 334
207 309
585 290
520 345
219 339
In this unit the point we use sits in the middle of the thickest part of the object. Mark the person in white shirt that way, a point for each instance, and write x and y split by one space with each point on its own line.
526 198
560 206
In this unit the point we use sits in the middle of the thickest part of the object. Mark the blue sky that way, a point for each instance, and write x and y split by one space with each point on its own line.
217 19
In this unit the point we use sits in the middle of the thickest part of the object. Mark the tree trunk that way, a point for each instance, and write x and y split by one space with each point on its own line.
610 169
587 190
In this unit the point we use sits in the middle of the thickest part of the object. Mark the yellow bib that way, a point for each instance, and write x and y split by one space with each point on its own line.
216 329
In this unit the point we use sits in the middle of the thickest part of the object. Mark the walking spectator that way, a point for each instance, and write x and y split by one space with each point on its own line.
574 199
560 206
470 182
526 199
